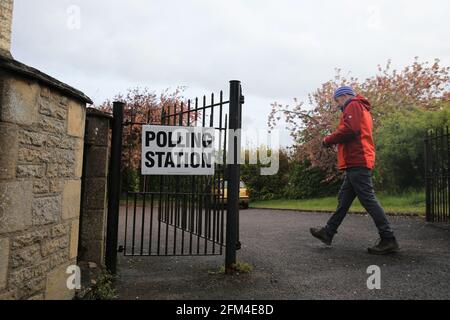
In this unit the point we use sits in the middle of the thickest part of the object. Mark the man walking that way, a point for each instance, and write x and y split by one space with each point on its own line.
356 156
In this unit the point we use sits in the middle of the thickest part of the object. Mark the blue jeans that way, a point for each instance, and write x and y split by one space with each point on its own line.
358 183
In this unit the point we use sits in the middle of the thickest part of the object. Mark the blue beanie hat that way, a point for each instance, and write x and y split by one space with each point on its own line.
342 91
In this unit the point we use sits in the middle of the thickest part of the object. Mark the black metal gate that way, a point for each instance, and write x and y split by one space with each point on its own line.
437 164
160 215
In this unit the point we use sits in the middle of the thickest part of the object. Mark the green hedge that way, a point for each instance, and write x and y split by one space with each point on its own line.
400 148
307 182
294 180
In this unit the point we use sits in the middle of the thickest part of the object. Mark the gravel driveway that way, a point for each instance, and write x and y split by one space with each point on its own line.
289 264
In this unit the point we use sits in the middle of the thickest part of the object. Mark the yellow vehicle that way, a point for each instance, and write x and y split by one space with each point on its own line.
243 194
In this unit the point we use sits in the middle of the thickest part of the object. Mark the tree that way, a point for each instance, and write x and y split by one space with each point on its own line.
421 85
143 106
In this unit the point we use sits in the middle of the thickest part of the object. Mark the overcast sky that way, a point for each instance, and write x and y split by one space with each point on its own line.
279 49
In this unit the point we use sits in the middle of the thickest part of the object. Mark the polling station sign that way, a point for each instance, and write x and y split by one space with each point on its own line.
171 150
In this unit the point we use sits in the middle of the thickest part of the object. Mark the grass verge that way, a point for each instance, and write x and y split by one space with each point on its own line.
410 203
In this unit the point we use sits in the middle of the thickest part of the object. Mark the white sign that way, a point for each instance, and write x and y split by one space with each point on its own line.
171 150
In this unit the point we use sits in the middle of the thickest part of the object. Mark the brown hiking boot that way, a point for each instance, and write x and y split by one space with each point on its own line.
385 246
322 235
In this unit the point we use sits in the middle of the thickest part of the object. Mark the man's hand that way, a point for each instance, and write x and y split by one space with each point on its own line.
325 144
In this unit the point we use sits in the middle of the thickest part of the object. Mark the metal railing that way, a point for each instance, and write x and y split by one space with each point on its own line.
437 164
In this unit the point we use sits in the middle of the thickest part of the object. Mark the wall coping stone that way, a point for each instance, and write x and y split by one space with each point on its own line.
93 112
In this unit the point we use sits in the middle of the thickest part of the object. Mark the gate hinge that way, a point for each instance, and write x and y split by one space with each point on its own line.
120 249
242 99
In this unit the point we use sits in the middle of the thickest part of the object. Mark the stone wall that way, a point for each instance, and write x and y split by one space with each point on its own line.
41 141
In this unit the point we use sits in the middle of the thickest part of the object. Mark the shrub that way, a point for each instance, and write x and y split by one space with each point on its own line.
400 147
306 181
296 179
130 180
266 187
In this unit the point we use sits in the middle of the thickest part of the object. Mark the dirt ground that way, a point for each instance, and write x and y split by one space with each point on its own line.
289 264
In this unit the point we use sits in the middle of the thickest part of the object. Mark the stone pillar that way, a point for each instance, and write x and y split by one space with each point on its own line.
6 11
94 187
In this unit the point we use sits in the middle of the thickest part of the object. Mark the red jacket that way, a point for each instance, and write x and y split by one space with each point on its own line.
354 136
